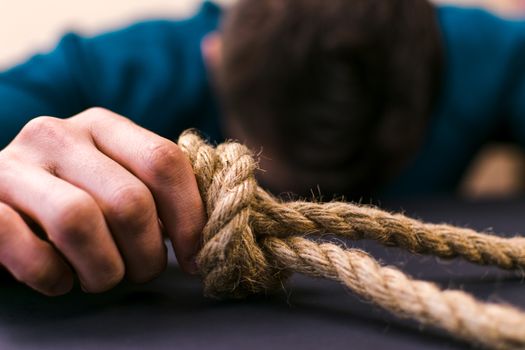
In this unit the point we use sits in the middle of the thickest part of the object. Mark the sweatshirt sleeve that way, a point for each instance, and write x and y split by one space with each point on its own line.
44 85
151 72
514 97
482 98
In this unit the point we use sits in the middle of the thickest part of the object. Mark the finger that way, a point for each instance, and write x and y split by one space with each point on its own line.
162 166
71 219
29 259
126 203
128 207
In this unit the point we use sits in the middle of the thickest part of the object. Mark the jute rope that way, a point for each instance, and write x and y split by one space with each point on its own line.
252 242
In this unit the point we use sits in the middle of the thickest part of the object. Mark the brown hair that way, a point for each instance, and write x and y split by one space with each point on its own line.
340 89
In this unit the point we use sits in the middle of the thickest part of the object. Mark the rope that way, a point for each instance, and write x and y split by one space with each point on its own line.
252 242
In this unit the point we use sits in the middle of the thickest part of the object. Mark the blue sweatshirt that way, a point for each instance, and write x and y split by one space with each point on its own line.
153 72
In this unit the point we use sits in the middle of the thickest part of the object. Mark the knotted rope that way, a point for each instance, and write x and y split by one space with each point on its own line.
252 241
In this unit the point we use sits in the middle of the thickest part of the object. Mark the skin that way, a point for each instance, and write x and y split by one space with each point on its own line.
92 195
96 187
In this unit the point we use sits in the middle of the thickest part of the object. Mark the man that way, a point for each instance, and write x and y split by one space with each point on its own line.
356 97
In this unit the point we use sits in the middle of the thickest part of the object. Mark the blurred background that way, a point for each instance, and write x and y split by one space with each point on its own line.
29 26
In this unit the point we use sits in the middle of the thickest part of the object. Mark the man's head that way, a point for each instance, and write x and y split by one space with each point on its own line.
337 93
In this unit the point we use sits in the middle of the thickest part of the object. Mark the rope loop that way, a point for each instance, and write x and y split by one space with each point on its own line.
231 260
252 242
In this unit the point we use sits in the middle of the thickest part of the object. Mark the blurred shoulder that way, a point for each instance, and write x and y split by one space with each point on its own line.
205 19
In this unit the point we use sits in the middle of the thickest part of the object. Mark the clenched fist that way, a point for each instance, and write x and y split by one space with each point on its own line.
100 190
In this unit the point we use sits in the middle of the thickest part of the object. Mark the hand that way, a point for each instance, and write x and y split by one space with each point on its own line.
96 185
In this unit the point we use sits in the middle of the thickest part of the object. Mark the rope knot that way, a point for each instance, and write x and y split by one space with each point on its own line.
231 261
252 240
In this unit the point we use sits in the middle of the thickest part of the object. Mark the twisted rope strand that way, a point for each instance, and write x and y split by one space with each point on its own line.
348 220
491 325
251 243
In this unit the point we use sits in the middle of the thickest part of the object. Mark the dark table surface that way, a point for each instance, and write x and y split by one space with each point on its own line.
170 313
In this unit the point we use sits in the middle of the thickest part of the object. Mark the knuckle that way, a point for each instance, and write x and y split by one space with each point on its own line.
43 128
7 214
161 160
130 203
74 220
7 217
97 111
10 162
95 115
110 275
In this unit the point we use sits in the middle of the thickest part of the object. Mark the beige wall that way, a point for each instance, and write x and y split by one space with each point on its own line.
27 26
